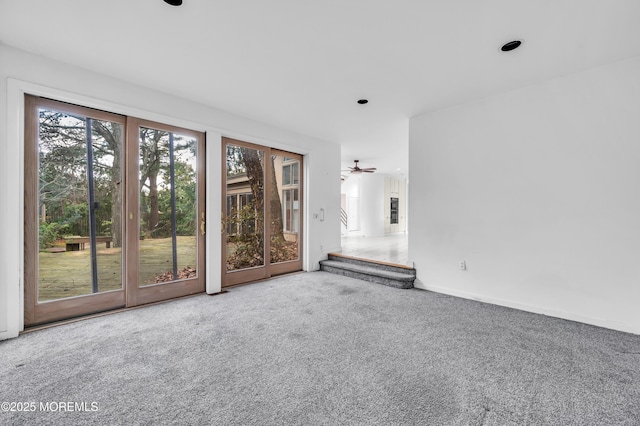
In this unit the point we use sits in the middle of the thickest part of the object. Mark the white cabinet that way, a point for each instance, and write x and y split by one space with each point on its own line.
394 205
387 205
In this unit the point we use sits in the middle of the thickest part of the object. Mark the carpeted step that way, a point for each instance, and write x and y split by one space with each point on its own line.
382 273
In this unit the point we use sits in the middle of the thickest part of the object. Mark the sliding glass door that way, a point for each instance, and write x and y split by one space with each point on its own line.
114 211
167 212
262 216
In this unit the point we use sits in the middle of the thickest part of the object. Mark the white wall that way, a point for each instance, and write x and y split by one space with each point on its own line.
350 187
22 72
538 189
372 205
367 204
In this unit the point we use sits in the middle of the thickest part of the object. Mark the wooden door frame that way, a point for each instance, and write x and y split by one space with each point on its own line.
136 295
258 272
34 311
267 269
292 265
38 313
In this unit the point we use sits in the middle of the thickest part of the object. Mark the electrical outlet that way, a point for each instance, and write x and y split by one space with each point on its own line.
462 265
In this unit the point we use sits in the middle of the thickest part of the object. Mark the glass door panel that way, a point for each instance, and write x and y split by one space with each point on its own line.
262 193
285 208
168 207
99 235
80 202
73 190
167 212
244 239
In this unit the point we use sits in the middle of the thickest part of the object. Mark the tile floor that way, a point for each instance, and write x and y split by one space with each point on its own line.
390 248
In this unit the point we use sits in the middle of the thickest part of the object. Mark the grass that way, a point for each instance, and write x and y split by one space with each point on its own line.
68 274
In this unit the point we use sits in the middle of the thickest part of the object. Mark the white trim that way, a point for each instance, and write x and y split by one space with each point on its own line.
86 101
14 213
116 108
600 322
213 238
308 264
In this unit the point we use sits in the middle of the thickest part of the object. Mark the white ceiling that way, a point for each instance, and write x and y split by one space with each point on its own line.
302 65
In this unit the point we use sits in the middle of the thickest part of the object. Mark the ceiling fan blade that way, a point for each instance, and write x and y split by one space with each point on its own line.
357 170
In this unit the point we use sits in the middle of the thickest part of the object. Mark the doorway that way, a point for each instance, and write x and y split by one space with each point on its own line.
114 211
262 214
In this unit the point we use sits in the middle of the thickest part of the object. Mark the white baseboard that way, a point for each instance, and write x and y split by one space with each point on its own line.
600 322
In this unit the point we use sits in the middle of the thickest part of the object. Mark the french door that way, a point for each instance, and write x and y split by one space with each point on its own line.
262 212
114 211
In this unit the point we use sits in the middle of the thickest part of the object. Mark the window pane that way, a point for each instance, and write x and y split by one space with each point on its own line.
67 178
295 173
286 175
168 207
245 177
232 205
295 227
284 235
286 201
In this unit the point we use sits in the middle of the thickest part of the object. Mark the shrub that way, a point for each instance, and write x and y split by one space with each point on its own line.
49 233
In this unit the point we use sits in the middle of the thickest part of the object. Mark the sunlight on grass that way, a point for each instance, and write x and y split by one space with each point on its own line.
68 274
155 258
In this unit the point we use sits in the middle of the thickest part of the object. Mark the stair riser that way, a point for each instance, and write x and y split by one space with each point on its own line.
377 265
369 270
366 277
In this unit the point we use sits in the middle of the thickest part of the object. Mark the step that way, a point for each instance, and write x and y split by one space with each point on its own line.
394 267
397 276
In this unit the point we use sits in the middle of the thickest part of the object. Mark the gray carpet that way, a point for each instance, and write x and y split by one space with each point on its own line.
317 349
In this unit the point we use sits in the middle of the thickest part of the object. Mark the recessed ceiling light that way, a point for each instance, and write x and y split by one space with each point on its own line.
174 2
363 101
511 45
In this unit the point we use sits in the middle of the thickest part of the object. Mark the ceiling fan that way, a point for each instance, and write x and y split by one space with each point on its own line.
356 169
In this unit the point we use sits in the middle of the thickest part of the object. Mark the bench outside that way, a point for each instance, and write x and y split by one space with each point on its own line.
78 243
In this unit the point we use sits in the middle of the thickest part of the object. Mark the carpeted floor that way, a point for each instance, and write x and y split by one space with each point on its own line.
315 349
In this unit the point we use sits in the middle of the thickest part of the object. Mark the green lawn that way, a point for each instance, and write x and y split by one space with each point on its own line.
68 274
